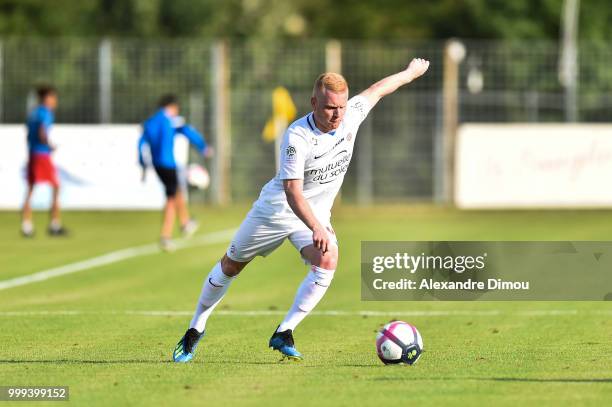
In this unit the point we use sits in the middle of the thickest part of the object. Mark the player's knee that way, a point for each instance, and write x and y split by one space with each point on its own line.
329 259
230 267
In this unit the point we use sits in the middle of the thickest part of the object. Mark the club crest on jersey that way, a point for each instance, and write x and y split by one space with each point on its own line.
290 153
349 137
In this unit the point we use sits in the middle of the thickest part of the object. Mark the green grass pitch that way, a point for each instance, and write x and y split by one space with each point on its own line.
92 330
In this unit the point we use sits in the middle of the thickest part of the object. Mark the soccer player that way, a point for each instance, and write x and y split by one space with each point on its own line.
296 204
159 131
40 167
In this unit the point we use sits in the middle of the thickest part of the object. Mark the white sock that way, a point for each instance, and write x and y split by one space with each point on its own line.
308 296
27 226
55 224
214 288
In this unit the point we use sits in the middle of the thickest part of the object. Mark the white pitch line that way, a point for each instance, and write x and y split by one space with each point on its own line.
329 313
550 312
114 257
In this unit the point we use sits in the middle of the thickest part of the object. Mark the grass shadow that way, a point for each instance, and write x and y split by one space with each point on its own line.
128 361
497 379
84 361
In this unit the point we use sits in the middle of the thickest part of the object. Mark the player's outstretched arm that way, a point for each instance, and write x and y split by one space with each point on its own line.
196 139
390 84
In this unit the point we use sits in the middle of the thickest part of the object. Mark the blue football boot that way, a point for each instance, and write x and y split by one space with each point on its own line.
185 349
283 342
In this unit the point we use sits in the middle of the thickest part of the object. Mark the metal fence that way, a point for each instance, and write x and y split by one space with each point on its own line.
396 158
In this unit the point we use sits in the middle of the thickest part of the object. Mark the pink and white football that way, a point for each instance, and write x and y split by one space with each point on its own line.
399 342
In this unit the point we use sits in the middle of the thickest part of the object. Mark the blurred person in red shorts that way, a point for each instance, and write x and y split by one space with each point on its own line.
40 168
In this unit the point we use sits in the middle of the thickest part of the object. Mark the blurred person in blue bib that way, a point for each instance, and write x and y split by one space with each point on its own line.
158 134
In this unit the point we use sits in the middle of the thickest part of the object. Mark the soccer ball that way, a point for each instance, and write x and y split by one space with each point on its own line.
399 342
197 176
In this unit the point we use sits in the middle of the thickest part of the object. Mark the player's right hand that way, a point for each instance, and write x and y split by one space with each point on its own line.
320 239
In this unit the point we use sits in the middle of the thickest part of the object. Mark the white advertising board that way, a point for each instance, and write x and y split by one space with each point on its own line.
533 166
97 166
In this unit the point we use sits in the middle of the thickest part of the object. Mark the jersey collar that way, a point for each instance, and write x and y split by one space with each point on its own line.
313 127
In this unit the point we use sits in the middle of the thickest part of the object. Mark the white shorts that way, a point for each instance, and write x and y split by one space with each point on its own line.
260 235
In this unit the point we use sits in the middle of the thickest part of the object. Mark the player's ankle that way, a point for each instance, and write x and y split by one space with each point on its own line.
55 224
27 228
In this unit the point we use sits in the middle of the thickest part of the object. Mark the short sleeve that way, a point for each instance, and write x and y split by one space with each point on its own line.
46 119
357 110
294 150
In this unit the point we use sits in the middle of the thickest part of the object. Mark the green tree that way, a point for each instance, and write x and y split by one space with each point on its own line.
272 19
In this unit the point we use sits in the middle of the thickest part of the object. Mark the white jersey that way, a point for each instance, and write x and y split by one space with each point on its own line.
320 159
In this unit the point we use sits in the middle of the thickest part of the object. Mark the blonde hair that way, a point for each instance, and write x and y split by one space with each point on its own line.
331 81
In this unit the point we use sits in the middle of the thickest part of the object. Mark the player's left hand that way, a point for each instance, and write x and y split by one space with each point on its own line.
417 67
